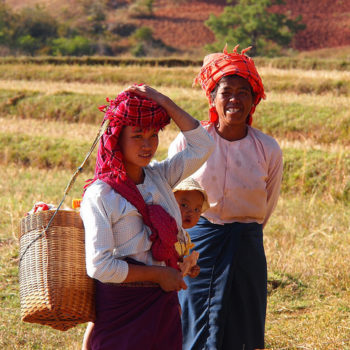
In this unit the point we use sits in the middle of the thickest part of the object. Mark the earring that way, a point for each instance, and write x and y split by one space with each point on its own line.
213 114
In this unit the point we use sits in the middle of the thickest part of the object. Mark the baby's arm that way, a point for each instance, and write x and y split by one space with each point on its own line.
189 265
194 271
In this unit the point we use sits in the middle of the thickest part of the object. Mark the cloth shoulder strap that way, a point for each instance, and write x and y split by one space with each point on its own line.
162 224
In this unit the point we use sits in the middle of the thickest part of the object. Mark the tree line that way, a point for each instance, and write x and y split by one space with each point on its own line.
34 31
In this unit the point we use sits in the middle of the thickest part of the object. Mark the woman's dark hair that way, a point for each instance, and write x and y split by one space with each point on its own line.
214 91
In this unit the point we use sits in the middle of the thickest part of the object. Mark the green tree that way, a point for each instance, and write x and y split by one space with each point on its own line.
141 8
34 29
96 16
143 38
6 23
253 23
28 44
76 46
144 34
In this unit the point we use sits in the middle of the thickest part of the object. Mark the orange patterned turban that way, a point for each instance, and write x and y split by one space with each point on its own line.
217 65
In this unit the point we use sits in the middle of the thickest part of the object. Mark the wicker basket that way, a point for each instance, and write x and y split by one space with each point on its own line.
54 287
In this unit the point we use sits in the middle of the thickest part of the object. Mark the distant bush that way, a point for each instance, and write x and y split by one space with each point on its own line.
6 23
33 30
143 34
123 29
138 50
141 8
147 45
36 22
77 46
28 44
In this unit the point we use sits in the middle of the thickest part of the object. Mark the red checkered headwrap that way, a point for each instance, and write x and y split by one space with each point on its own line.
129 109
217 65
125 109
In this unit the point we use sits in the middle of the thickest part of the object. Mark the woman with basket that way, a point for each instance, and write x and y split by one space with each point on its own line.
225 306
132 222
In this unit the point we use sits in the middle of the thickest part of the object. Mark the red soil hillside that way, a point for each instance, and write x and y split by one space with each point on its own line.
180 23
327 22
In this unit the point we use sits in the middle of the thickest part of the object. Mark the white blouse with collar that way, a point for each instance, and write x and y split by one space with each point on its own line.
242 178
114 229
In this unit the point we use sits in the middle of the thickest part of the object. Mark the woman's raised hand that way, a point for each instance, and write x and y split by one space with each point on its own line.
181 118
148 92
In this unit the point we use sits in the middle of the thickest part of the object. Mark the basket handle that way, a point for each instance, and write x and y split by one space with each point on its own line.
71 182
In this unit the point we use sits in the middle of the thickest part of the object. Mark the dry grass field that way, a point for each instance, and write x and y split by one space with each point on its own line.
47 122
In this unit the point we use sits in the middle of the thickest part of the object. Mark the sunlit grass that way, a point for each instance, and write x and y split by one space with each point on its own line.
111 79
304 74
174 76
306 244
54 129
323 100
54 87
309 168
323 119
49 118
87 132
178 76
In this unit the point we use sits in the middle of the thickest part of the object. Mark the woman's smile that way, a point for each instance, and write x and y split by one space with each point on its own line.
232 109
146 155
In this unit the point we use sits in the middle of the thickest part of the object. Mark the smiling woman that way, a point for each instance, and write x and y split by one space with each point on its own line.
225 306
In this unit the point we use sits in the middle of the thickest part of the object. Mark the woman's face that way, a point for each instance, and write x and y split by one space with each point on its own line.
233 101
138 146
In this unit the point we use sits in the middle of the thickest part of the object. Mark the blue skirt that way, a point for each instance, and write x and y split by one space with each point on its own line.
224 308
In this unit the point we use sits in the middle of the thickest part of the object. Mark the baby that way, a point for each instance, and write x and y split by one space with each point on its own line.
192 201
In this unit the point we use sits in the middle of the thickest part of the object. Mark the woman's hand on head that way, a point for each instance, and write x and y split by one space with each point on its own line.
171 279
144 90
181 118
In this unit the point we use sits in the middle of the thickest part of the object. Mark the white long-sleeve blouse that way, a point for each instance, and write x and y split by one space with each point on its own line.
114 229
242 178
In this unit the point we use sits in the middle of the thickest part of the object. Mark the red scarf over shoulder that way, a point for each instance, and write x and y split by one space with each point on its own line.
129 109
